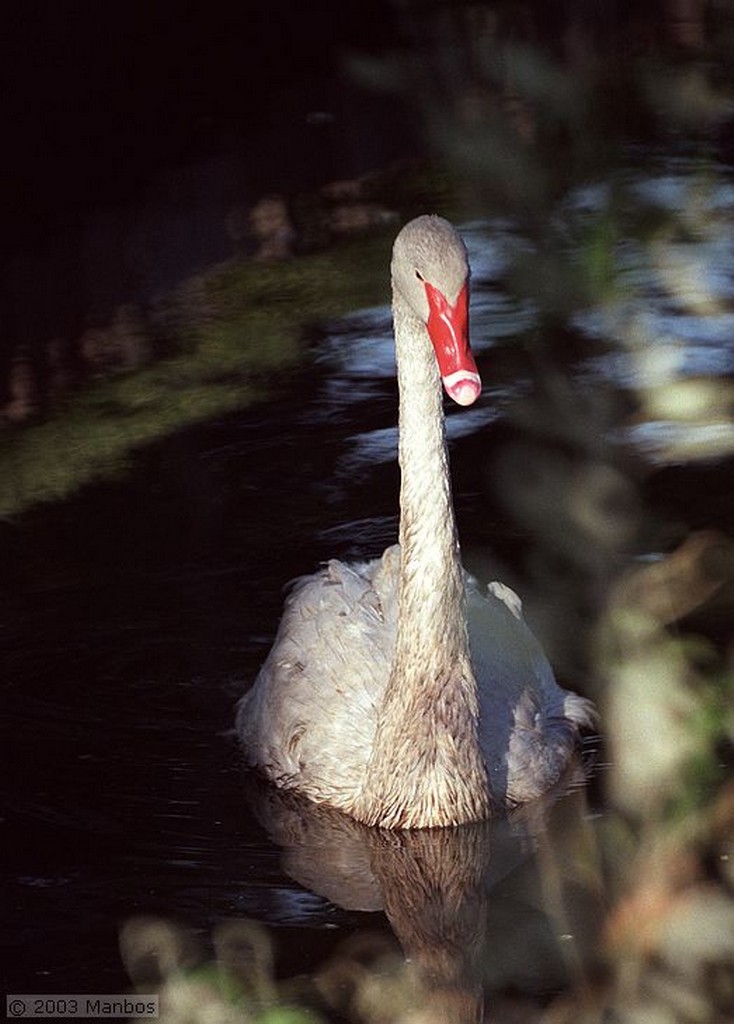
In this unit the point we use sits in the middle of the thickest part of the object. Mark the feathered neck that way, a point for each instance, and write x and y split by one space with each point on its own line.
426 767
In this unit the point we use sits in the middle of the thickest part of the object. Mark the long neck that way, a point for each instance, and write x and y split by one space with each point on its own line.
432 600
426 767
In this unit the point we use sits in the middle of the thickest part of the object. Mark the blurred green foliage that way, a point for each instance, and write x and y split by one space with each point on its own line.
235 332
569 124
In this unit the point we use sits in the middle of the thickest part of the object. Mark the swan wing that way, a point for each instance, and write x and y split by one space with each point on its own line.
528 724
309 720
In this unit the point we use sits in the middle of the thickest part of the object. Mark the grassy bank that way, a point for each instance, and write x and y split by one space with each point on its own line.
233 330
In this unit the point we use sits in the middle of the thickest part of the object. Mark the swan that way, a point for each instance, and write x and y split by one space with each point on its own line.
396 690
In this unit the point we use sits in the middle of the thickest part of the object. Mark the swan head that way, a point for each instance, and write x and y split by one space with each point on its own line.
430 273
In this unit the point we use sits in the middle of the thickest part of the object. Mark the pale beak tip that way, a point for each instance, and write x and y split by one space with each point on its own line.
464 389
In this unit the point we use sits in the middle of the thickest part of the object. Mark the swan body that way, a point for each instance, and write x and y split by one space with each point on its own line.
396 690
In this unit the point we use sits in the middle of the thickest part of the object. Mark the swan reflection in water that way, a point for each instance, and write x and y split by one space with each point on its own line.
505 904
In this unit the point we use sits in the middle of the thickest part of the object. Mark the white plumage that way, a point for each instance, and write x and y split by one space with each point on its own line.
395 690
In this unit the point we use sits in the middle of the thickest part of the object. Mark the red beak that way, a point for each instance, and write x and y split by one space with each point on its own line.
448 329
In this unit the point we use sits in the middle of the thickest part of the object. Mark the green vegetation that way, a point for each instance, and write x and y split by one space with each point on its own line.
235 330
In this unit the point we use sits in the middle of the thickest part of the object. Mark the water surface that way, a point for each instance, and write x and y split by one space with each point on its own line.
134 615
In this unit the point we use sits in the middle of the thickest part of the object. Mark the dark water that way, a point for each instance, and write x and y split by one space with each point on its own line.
133 617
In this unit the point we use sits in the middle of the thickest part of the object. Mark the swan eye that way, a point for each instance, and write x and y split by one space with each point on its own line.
419 275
